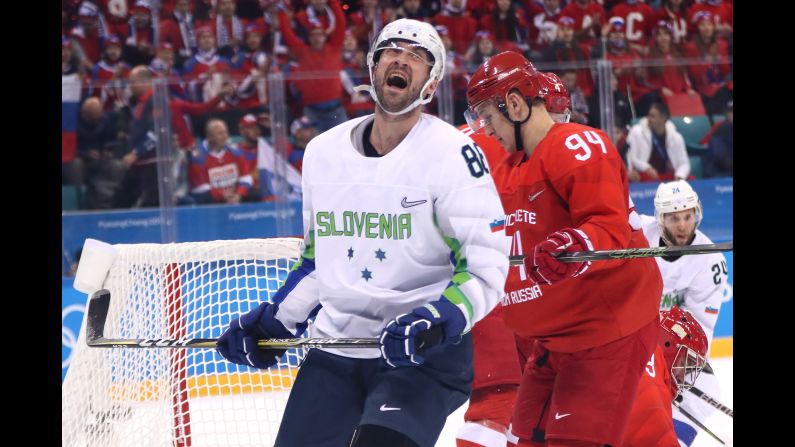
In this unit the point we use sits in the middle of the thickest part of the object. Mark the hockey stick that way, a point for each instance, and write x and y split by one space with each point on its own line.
602 255
695 421
708 399
99 304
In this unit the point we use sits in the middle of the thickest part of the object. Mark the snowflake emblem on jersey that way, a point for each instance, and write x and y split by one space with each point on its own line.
380 255
367 274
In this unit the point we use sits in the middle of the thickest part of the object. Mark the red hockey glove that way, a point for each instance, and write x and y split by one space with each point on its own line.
546 269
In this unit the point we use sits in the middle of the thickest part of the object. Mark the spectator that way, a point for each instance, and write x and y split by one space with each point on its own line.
720 158
302 131
179 30
88 34
639 18
70 62
317 14
218 172
162 66
482 48
413 9
273 175
460 24
579 104
319 66
508 25
665 73
722 15
673 12
228 28
455 65
116 15
355 73
544 27
566 50
139 44
712 78
107 77
367 21
626 65
589 18
206 71
97 148
252 68
657 151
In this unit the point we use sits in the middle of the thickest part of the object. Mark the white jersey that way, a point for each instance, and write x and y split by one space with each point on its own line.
694 282
388 234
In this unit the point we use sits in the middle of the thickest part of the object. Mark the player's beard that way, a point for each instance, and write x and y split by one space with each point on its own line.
396 104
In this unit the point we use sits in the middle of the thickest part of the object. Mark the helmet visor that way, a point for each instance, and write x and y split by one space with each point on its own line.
392 49
480 115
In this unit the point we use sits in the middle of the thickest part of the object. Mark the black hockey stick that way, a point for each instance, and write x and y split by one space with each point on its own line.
708 399
99 304
602 255
695 421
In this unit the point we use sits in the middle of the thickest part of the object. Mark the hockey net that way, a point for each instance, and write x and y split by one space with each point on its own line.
180 397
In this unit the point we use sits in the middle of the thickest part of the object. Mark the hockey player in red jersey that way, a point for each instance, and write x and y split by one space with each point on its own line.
673 368
594 325
498 355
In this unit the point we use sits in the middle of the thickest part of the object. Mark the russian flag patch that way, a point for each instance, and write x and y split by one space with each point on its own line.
711 310
497 225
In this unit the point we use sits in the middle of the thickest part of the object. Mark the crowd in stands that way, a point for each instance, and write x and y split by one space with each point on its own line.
670 58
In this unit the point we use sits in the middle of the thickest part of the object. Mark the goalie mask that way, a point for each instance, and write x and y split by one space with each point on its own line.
422 42
684 345
673 197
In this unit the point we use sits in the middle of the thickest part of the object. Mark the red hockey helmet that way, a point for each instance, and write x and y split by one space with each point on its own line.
557 97
497 77
684 345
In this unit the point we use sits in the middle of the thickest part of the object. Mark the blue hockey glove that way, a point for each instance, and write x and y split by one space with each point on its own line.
239 343
403 340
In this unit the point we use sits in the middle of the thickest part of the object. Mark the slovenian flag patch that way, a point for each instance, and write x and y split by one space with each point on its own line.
497 225
711 310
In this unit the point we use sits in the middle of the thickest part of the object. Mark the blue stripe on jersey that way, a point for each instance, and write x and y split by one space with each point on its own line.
301 269
684 432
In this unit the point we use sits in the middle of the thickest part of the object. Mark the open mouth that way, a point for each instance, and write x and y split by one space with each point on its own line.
397 80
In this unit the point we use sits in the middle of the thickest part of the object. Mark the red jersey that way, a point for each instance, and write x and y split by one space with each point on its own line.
650 423
639 19
317 76
575 178
588 20
462 29
107 83
220 173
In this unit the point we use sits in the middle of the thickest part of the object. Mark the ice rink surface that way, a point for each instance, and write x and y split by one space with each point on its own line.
720 424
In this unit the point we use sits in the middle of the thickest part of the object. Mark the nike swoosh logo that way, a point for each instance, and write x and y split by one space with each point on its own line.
385 408
406 204
561 416
533 197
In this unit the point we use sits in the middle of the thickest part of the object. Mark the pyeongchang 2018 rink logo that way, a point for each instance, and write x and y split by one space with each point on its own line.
71 319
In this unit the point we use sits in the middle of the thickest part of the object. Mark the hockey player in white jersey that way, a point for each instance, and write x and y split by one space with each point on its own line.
403 233
694 283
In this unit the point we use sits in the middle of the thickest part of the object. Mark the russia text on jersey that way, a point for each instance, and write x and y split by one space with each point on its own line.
522 295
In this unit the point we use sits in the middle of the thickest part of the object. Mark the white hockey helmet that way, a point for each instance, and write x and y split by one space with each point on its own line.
419 33
673 197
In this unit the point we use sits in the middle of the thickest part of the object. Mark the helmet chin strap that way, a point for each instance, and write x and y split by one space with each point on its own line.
417 102
517 129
